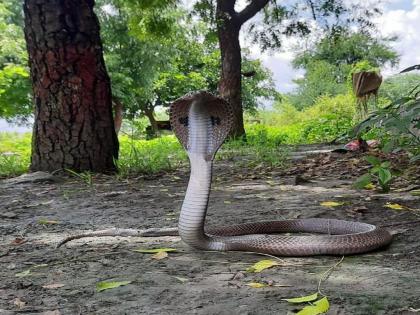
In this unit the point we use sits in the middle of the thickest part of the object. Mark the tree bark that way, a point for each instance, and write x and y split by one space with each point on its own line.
229 23
230 84
73 126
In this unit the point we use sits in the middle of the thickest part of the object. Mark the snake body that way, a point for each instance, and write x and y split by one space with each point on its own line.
201 121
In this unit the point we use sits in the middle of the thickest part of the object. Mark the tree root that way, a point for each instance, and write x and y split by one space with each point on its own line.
122 232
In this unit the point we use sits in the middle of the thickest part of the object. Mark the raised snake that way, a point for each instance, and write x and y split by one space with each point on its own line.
202 121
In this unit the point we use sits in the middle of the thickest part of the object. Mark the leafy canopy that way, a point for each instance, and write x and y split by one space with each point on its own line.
15 100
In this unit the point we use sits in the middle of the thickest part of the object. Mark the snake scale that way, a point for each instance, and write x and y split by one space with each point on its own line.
202 121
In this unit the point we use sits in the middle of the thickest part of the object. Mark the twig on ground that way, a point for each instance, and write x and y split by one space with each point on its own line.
327 273
122 232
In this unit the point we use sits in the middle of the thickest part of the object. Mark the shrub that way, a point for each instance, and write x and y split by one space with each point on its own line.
324 121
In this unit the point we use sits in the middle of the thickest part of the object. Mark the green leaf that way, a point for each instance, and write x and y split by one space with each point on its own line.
363 181
386 164
388 147
307 298
262 264
373 160
319 307
105 285
47 222
375 169
154 250
384 176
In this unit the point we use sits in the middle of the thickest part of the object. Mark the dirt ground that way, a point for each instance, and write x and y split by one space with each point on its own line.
35 215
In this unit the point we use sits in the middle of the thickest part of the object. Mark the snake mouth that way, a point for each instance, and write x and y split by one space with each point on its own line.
201 121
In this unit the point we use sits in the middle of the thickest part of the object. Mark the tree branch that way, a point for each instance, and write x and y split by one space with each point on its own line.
250 10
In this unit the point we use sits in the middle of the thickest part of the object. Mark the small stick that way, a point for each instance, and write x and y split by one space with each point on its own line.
327 273
122 232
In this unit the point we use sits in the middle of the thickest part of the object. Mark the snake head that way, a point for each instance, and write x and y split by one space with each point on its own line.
201 121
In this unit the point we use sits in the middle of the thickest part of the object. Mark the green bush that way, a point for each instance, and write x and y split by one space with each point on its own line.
328 118
324 121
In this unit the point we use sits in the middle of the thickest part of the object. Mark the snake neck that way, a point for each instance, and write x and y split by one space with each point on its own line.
194 208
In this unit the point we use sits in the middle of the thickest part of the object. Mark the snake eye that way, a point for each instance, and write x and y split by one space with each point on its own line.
215 120
184 121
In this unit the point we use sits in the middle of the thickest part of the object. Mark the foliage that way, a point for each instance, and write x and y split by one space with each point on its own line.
329 117
396 86
396 125
321 78
324 121
348 48
291 18
380 172
151 67
330 62
15 100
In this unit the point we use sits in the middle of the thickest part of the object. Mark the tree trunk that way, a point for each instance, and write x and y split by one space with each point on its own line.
230 85
73 126
229 23
149 112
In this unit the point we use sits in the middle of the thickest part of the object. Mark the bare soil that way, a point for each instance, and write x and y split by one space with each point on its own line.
35 215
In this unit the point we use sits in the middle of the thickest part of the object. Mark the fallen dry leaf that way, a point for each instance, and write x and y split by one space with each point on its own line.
160 255
396 206
19 303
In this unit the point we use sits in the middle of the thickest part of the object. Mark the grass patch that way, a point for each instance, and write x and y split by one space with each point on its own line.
15 151
158 155
149 156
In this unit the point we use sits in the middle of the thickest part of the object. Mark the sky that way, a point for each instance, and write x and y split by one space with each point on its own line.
400 18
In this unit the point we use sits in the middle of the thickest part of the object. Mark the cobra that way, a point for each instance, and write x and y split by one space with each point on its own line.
202 121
